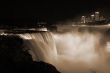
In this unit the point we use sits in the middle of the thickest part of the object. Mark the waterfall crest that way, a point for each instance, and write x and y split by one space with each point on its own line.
42 46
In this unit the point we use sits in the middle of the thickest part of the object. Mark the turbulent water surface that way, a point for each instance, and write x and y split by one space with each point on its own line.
81 50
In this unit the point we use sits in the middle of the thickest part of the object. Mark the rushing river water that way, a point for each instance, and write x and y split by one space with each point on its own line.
80 50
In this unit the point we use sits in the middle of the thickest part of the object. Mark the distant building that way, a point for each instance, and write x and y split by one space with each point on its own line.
97 16
83 19
92 17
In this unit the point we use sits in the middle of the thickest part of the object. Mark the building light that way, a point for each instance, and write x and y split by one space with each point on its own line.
92 15
97 16
83 19
3 33
96 12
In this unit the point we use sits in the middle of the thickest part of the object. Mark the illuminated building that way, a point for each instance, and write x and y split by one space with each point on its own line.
92 17
83 19
97 16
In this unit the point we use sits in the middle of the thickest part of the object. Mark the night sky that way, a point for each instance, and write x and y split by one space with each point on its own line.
19 12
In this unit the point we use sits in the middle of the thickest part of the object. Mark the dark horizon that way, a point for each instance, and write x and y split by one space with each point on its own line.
19 12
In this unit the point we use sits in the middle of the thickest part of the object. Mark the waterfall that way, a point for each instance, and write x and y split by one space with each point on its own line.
42 46
70 52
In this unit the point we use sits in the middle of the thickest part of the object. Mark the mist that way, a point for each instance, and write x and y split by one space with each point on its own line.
72 51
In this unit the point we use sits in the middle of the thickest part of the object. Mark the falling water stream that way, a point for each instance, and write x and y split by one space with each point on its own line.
74 51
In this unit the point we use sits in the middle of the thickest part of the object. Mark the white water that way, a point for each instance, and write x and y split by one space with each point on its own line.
71 52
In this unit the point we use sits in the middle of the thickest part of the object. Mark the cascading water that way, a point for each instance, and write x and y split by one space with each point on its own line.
42 46
71 52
